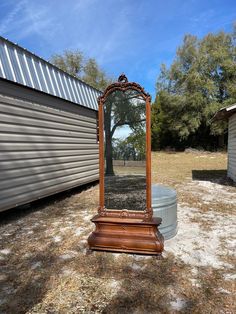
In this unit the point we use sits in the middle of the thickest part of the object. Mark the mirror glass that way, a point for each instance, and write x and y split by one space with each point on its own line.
125 151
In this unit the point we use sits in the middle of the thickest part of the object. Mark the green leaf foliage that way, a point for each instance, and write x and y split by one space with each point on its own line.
200 81
75 63
123 108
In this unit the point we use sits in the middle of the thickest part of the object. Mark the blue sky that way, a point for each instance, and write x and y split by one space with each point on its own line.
130 36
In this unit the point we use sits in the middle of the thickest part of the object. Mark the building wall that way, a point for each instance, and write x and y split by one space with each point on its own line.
47 145
232 148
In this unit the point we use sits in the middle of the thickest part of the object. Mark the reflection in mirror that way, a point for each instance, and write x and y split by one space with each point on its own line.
125 151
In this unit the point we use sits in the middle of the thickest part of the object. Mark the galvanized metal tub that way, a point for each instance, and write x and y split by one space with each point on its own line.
164 204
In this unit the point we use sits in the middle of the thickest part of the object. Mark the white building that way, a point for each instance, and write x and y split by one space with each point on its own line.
230 114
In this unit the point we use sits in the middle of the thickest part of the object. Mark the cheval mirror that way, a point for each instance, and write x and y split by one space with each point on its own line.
125 222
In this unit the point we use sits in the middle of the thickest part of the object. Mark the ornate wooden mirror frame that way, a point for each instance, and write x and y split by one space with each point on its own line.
123 85
126 230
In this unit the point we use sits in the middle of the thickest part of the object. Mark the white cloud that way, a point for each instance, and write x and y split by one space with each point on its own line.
27 18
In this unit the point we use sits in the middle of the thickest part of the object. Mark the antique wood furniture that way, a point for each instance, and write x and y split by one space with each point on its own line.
125 222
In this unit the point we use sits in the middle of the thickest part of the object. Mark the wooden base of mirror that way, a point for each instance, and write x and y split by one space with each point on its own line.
126 235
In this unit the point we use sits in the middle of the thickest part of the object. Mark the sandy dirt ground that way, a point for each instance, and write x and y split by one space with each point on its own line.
46 268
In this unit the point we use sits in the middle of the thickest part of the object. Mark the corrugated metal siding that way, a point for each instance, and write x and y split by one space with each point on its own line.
44 150
23 67
232 148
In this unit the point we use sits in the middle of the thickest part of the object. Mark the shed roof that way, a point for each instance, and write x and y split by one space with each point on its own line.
225 113
23 67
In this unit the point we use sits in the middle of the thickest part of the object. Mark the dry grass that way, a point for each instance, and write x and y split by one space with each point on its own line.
196 176
45 266
175 168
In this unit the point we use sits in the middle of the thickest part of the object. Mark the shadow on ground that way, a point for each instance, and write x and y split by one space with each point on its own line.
21 211
28 255
26 285
215 176
125 192
143 290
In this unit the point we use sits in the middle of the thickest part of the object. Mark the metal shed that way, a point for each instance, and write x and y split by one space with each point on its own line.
48 128
230 114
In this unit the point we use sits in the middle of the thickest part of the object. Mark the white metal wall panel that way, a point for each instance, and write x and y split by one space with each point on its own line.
21 66
232 147
44 150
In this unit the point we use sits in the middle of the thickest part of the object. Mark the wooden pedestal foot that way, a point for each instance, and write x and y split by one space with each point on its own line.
159 257
89 251
127 235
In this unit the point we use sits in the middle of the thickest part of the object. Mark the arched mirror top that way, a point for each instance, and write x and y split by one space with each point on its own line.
124 85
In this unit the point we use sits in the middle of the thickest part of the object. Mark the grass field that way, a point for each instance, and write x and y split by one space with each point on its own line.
45 266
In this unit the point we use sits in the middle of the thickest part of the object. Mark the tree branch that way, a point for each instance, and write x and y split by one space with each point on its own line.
120 123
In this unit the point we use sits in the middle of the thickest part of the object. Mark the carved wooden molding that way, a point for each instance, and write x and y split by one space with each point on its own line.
123 85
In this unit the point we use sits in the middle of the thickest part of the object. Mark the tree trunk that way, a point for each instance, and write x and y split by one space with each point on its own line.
108 142
221 141
108 153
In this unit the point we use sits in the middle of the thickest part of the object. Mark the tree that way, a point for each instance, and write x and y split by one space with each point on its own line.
94 76
121 108
201 80
137 141
86 69
71 62
131 148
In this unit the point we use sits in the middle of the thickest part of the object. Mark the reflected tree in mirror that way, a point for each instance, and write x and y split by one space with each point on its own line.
124 150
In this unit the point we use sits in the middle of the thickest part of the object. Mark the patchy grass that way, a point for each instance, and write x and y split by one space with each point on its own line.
199 178
46 268
175 168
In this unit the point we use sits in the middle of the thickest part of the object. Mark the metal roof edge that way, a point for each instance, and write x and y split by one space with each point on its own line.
225 112
48 62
